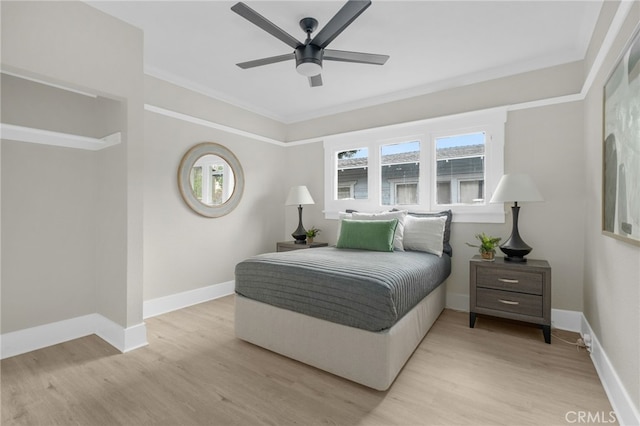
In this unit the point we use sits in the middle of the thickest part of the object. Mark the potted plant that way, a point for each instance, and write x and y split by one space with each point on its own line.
487 245
311 234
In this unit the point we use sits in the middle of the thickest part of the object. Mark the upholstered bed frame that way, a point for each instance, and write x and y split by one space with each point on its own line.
373 359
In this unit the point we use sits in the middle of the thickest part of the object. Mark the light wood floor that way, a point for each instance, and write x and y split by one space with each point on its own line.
195 372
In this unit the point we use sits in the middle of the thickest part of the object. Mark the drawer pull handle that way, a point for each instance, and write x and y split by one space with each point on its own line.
509 281
508 302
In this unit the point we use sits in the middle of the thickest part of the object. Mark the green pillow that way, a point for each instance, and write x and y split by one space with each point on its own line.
374 235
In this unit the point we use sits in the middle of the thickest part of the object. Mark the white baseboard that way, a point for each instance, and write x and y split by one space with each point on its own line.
626 412
123 339
162 305
31 339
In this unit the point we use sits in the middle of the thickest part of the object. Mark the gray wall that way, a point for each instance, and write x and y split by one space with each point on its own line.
182 250
48 234
72 44
541 84
611 267
30 104
544 142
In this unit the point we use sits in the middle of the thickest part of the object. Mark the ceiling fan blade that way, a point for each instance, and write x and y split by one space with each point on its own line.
345 16
359 57
266 61
315 81
254 17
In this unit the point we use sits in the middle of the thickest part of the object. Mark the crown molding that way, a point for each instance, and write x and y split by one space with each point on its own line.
205 91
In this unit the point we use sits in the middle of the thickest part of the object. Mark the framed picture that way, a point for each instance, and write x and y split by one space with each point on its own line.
621 148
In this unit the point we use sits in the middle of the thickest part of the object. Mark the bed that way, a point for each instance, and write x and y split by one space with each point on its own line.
355 312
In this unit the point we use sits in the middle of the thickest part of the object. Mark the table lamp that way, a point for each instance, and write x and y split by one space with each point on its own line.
299 195
515 188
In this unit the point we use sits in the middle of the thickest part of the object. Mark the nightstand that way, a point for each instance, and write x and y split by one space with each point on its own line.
290 245
518 291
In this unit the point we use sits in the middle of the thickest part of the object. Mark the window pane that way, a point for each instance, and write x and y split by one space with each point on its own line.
444 193
460 169
399 173
352 181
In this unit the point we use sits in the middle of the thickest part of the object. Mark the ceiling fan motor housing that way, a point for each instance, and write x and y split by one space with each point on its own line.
309 60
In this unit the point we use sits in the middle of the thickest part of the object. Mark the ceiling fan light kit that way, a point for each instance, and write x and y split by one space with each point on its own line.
310 54
309 60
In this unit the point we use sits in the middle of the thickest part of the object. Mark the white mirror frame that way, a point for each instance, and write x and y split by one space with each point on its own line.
184 182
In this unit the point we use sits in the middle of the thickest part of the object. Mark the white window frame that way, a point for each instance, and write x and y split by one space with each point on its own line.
491 121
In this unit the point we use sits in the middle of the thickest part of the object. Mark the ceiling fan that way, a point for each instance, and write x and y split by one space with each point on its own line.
310 54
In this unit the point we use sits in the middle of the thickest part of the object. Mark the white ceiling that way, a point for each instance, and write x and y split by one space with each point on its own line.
433 45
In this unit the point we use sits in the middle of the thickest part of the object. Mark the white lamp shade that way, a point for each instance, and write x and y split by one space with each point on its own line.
299 195
309 69
517 188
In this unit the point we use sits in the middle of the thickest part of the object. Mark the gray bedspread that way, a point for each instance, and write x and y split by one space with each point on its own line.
364 289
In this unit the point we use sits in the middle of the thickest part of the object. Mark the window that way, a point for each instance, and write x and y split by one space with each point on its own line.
399 173
352 180
460 169
443 163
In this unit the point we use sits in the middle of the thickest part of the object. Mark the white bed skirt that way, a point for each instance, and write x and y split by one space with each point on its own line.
373 359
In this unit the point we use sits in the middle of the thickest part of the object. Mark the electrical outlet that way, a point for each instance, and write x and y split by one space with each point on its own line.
586 338
584 342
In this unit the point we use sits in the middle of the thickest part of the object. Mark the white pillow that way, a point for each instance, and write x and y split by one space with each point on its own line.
342 215
398 244
424 234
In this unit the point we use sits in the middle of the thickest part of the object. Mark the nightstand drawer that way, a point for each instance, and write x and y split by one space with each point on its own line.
508 301
506 279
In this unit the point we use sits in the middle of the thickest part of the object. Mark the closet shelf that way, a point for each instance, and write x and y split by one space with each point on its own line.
47 137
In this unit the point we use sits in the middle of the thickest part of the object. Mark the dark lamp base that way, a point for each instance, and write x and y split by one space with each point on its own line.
516 255
300 234
514 248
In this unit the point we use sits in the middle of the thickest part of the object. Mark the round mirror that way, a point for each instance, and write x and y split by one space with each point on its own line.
210 179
